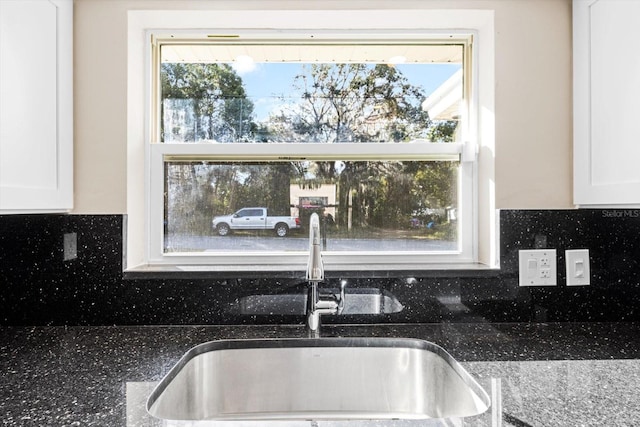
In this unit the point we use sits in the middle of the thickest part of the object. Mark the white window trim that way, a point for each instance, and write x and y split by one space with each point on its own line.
143 249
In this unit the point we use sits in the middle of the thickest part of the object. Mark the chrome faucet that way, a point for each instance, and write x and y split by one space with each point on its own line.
318 303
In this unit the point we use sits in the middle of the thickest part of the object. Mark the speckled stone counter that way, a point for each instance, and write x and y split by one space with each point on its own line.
564 374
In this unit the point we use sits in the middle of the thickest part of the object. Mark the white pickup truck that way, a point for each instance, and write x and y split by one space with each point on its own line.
255 219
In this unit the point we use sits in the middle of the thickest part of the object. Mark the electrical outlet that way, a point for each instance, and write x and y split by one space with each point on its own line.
69 246
578 268
537 267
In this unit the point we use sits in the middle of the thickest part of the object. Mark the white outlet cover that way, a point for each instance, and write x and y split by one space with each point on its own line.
537 267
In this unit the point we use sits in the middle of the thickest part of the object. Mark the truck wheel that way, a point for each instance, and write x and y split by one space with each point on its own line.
281 229
223 229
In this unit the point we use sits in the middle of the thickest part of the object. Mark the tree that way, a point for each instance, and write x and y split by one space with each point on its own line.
204 102
355 103
364 103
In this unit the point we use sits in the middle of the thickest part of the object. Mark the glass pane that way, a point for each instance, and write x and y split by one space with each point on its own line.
265 206
209 100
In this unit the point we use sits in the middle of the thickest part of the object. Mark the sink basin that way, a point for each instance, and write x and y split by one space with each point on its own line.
317 379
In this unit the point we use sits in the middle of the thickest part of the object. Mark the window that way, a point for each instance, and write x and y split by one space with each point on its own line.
373 131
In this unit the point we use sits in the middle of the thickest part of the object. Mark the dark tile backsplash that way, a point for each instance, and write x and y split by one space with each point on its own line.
38 287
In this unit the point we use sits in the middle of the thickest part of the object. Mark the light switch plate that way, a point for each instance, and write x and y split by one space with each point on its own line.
578 267
537 267
69 246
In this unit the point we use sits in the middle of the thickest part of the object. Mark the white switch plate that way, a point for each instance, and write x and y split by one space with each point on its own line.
578 268
537 267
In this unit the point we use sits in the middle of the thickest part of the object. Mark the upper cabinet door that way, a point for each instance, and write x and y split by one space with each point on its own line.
606 63
36 105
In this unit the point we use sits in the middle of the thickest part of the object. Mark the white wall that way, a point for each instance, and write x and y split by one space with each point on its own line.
532 98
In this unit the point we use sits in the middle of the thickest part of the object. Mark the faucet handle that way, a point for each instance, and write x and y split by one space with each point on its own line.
315 267
343 285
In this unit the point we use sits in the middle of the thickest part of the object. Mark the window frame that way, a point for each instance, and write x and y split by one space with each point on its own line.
345 259
154 155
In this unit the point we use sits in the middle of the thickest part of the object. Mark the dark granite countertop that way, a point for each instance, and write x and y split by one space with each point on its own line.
561 374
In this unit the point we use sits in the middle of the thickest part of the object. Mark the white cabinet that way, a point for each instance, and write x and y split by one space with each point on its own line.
36 105
606 63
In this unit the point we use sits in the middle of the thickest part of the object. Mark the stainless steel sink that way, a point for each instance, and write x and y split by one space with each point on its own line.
317 379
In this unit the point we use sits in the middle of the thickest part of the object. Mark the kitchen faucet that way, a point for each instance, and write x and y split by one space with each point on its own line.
318 303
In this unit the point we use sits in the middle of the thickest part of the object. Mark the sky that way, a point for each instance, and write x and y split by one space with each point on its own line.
263 81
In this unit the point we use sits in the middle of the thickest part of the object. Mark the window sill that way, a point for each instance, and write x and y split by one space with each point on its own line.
189 272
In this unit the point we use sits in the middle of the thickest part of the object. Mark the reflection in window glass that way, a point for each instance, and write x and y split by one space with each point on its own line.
364 205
